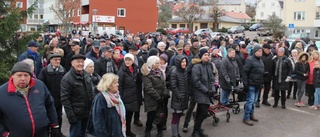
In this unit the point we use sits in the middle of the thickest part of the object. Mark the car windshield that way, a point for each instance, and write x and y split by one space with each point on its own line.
294 36
254 25
235 27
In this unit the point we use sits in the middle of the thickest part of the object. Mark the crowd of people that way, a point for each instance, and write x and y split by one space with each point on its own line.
102 82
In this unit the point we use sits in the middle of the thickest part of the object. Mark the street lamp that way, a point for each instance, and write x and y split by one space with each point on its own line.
95 22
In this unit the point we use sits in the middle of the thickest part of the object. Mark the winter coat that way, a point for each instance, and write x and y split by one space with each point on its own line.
253 72
37 60
229 73
179 86
128 87
286 71
106 121
202 80
76 95
26 116
268 66
52 79
95 79
100 66
316 77
217 61
301 68
155 89
93 56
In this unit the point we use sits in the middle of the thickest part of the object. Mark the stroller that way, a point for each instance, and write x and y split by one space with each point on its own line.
213 109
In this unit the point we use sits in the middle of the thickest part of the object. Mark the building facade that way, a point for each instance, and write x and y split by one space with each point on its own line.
305 15
266 8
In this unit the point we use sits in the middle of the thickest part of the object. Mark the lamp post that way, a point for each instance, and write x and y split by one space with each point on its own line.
94 22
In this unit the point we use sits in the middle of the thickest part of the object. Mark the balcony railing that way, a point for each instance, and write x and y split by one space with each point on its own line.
84 18
35 21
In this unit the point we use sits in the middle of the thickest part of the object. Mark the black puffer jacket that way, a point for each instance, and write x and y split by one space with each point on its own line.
76 95
179 85
202 80
229 72
253 71
100 66
128 87
155 89
268 66
52 79
316 78
301 68
286 71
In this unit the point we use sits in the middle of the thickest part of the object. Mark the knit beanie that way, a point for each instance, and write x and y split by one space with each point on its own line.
202 52
129 55
164 56
153 52
256 48
86 63
21 67
281 49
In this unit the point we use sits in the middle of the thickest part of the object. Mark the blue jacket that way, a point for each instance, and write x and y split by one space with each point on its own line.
91 55
37 61
106 121
28 116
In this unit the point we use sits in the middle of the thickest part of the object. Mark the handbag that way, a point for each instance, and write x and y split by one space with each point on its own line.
160 114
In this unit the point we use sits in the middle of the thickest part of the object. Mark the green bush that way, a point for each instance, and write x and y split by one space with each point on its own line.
223 29
163 32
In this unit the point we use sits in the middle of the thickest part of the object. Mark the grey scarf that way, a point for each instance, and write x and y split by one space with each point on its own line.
279 68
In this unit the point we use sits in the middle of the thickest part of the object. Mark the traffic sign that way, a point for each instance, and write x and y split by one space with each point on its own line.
291 26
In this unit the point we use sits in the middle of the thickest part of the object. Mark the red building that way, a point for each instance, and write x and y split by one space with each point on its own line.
129 16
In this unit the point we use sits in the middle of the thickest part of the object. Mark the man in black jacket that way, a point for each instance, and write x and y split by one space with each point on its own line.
268 66
76 96
51 76
105 64
253 79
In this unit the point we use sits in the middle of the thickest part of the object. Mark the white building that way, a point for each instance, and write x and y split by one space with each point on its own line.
266 8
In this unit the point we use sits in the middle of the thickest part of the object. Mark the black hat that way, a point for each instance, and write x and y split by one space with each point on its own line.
133 47
78 56
267 46
96 44
144 42
270 41
195 40
53 55
107 48
21 67
63 39
202 52
153 52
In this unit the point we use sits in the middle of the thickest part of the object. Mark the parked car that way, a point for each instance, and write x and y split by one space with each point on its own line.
212 34
263 31
254 27
169 30
180 30
236 29
303 36
201 31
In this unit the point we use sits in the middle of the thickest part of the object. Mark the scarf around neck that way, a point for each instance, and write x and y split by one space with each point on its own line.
279 68
114 100
163 70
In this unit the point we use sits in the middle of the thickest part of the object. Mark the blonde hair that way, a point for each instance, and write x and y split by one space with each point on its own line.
106 81
312 54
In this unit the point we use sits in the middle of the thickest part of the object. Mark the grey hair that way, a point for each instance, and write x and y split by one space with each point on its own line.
161 44
30 62
152 60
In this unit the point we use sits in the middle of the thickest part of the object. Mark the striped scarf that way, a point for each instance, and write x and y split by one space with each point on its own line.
114 100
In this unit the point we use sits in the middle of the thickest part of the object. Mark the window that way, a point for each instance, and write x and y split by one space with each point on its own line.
316 33
19 4
173 25
79 12
298 31
73 13
299 0
7 3
299 15
41 16
263 5
121 12
235 8
35 16
261 14
182 25
317 15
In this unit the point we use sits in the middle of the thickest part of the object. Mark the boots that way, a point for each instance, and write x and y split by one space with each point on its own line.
247 122
174 128
195 134
138 123
283 104
130 134
253 118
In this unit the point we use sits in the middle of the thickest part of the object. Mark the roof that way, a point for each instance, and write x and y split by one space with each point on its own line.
205 19
237 15
177 6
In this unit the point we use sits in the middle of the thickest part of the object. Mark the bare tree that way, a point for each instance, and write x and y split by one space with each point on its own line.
66 10
274 23
251 11
189 14
215 13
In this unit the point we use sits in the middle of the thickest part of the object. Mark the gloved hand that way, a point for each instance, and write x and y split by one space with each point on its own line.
245 87
288 79
210 93
55 132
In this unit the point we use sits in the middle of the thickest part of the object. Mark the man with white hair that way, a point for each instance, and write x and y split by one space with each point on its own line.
161 47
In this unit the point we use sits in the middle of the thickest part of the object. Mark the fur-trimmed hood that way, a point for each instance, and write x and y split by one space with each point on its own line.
301 55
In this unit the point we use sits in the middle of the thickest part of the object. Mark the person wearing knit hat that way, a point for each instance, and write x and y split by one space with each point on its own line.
202 80
129 55
20 89
253 79
281 75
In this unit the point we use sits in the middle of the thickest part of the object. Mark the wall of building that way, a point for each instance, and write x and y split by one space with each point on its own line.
291 6
266 8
